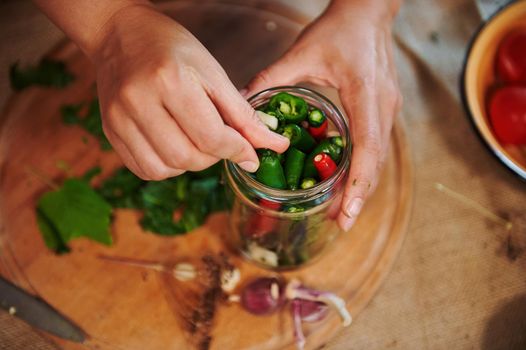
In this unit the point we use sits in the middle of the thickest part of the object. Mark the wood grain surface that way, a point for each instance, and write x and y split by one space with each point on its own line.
124 307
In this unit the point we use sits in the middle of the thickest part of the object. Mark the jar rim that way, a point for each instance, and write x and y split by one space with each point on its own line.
318 189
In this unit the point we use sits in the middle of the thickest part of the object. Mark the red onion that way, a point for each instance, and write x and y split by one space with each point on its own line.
263 296
312 311
296 318
295 290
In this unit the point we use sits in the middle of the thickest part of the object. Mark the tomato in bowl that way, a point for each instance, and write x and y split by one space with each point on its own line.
493 87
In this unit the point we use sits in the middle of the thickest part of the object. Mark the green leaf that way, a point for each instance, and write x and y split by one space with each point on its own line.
122 189
160 221
70 114
91 173
161 194
91 121
46 73
76 210
50 234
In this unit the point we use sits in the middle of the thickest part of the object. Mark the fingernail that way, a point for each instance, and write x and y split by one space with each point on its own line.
243 92
353 208
249 166
348 224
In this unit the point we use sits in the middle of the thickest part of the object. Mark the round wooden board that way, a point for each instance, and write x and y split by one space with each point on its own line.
123 307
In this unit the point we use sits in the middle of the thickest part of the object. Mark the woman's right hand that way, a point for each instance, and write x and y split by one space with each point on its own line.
167 105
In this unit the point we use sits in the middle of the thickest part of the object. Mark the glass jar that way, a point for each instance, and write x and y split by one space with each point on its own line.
283 229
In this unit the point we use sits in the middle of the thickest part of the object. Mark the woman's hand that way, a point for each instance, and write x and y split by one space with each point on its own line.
350 48
167 105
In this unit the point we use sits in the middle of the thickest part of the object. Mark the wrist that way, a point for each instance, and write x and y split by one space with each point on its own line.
120 21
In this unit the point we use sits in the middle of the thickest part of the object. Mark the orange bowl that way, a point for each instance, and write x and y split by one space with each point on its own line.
479 76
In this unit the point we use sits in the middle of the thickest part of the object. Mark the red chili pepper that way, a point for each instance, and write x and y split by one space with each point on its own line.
324 165
261 224
320 132
267 203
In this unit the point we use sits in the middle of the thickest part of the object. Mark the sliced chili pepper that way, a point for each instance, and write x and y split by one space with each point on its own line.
308 183
325 146
319 132
270 171
295 209
316 118
294 109
336 140
324 165
299 137
294 160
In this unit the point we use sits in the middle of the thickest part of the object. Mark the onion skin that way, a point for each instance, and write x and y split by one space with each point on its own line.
312 311
263 296
299 337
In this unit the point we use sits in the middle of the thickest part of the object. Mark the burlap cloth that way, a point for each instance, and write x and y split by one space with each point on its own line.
460 280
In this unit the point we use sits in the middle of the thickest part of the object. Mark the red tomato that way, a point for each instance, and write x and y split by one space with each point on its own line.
507 112
511 57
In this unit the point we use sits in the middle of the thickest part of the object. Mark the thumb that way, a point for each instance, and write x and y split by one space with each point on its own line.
285 71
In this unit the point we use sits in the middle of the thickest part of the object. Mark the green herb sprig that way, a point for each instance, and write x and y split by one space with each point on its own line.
48 73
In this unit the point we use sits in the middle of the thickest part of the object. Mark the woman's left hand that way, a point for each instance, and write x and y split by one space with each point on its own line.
349 48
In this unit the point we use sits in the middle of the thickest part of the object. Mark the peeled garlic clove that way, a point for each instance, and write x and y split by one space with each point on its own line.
184 272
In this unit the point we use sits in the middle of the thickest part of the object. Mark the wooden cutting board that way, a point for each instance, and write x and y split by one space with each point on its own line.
122 307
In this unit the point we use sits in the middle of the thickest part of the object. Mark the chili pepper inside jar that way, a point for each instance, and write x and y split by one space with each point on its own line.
284 215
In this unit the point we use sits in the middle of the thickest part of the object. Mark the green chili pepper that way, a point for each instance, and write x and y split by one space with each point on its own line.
316 118
294 209
281 157
294 160
293 109
325 146
270 171
308 182
336 140
299 137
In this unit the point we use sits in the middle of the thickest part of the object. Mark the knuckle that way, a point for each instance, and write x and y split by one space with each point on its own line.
165 76
154 176
112 118
372 145
129 93
157 172
181 160
210 143
363 82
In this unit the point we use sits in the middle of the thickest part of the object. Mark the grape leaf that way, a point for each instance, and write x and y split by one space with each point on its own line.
74 210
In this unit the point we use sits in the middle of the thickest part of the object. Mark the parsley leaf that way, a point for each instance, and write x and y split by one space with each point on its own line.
121 190
74 210
46 73
193 195
90 120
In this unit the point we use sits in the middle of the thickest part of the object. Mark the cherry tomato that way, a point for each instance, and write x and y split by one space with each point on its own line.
507 110
511 57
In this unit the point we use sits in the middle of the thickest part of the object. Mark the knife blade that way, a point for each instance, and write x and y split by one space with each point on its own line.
37 312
